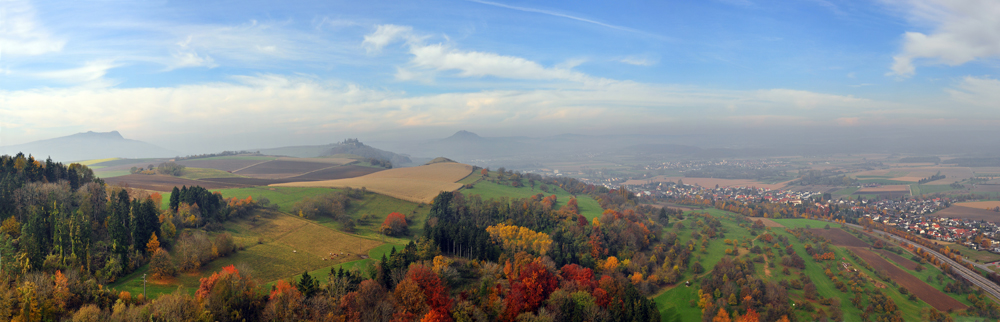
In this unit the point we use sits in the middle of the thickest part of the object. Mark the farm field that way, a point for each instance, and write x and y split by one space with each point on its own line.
710 182
164 183
905 175
919 189
330 173
968 213
925 292
202 173
279 169
980 204
417 184
886 188
220 163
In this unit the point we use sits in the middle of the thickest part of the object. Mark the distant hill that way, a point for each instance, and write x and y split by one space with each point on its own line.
349 146
87 146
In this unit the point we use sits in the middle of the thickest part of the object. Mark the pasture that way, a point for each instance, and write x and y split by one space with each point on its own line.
416 184
904 175
163 183
278 246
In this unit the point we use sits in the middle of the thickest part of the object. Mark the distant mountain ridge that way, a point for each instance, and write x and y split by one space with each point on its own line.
87 146
349 146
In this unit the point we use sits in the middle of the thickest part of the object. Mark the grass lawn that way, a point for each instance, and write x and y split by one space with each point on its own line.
883 181
488 190
284 197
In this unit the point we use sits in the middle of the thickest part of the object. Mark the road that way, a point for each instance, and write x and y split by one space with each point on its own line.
972 276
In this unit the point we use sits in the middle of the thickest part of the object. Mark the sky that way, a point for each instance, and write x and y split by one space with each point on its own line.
207 76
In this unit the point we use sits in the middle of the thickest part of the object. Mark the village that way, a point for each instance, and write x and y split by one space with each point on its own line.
914 215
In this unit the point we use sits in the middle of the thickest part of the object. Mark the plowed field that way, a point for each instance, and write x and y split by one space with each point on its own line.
337 172
925 292
166 183
839 237
279 169
902 261
219 164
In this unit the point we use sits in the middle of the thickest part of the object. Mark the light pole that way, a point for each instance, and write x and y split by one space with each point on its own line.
144 286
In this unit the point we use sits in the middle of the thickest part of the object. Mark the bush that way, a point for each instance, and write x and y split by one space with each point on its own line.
395 224
170 168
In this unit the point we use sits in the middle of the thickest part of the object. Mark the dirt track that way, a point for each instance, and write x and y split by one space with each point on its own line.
925 292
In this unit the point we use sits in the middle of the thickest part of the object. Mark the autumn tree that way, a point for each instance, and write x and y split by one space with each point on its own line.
516 238
395 225
722 316
162 265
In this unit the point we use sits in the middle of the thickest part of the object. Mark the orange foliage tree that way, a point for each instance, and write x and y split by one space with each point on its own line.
395 224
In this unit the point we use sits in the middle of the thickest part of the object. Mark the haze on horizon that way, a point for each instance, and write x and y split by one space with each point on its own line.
201 77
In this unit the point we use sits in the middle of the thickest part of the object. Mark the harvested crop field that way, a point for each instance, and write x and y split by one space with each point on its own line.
925 292
839 237
710 182
416 184
969 213
980 204
165 183
900 260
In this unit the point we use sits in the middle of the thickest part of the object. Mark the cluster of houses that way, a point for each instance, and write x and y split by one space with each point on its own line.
910 214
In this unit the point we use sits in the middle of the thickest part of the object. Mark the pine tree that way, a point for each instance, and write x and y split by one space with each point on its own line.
175 197
307 285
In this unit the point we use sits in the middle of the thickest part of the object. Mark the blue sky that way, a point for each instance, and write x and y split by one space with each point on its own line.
247 74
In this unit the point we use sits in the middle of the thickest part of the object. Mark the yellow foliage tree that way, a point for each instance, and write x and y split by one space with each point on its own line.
517 238
153 244
611 264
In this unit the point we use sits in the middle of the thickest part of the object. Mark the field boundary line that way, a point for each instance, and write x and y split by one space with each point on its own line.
250 166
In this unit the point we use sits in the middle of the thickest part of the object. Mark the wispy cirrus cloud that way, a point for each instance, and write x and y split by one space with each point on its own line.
963 31
21 34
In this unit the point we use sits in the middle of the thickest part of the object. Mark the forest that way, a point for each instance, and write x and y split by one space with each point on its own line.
65 235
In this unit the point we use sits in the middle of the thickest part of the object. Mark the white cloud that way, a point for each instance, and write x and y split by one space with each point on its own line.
964 31
20 33
384 35
639 60
975 91
90 74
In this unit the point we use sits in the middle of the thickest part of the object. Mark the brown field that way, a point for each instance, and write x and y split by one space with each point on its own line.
166 183
280 169
839 237
900 260
969 213
332 173
925 292
224 165
710 182
820 188
417 184
979 204
887 188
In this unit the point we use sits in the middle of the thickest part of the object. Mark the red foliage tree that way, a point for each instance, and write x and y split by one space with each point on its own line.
434 292
395 224
582 275
534 284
